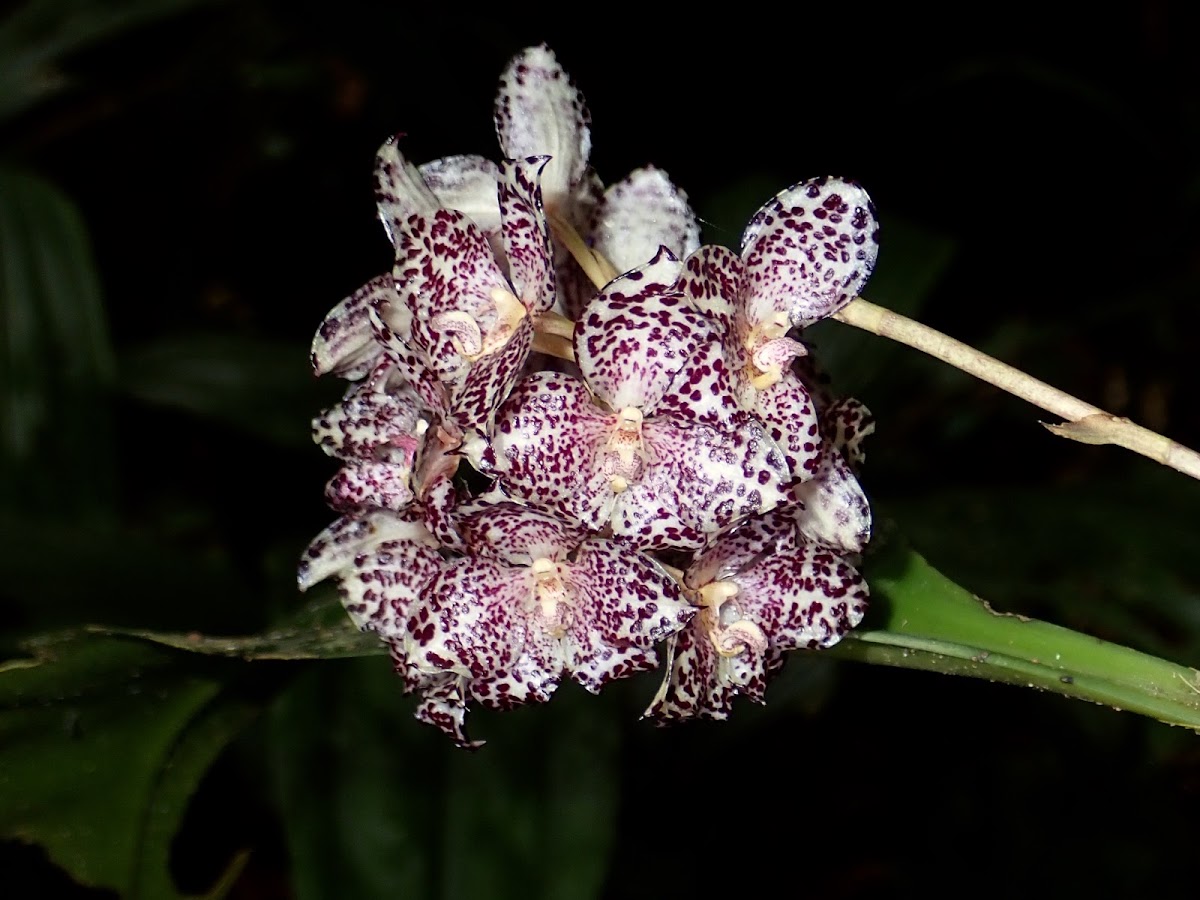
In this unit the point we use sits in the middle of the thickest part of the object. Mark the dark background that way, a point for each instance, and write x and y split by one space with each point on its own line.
1037 172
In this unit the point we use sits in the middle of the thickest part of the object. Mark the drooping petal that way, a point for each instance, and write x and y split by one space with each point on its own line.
334 549
831 509
515 533
381 585
345 344
714 477
400 191
467 183
791 419
371 425
638 215
809 251
540 112
444 706
362 486
526 235
847 422
803 597
691 686
623 604
547 440
532 679
636 334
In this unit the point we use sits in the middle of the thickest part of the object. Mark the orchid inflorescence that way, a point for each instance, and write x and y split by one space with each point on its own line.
572 432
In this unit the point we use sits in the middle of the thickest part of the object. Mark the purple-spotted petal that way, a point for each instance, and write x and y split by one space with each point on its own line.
692 688
444 706
335 548
714 477
638 215
400 190
470 622
702 391
532 679
791 419
438 500
636 334
408 365
514 533
451 283
712 282
539 112
475 623
345 344
832 508
490 380
371 425
809 251
547 440
803 597
647 515
739 548
370 485
623 596
380 586
526 235
847 422
446 265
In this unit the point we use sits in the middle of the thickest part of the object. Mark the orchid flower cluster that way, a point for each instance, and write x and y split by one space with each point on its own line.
574 438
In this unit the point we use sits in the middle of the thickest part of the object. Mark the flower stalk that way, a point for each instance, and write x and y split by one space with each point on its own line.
1085 423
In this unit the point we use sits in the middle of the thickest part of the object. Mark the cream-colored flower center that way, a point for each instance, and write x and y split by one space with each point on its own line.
730 633
465 334
625 453
770 350
551 601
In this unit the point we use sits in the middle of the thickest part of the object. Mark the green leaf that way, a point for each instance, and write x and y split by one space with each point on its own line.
376 804
321 630
358 783
533 813
102 742
56 361
261 387
1133 574
919 619
922 620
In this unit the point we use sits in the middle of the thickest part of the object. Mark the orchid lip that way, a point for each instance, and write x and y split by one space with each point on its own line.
625 456
465 334
550 595
736 639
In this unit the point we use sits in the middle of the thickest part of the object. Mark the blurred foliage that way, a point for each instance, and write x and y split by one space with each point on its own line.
184 192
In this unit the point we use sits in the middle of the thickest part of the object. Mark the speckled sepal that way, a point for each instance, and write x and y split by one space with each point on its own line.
809 250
